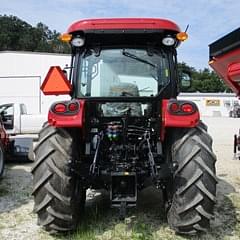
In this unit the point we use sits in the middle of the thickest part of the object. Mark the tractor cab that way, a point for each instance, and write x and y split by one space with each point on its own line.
108 53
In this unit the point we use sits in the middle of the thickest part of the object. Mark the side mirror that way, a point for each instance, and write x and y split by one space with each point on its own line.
56 82
185 80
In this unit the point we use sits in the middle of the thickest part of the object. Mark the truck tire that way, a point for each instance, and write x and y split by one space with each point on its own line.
194 181
2 160
59 196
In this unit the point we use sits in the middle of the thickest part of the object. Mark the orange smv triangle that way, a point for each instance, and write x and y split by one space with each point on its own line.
56 83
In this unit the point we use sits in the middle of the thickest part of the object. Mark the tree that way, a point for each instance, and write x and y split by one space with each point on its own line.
204 80
15 34
18 35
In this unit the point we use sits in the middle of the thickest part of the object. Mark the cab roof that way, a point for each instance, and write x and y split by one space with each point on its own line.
123 24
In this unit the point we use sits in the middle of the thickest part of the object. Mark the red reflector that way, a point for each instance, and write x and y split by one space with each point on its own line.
174 107
60 108
187 108
72 107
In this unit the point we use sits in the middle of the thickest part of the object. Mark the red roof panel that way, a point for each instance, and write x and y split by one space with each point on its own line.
124 24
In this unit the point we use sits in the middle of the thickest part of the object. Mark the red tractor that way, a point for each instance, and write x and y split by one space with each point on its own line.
123 129
225 60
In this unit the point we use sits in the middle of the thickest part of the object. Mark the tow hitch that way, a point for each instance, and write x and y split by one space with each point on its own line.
123 191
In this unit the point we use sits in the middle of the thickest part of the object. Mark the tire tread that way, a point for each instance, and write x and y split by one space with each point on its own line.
53 182
194 187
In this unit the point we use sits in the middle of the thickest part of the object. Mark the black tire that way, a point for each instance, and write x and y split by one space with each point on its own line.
58 194
194 182
2 160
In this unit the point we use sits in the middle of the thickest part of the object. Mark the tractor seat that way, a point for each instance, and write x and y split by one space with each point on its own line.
118 109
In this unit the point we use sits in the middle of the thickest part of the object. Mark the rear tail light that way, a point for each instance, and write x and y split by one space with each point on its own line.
181 107
73 107
174 107
60 108
187 108
66 108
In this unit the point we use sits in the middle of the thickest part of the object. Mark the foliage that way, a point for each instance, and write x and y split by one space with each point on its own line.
204 80
18 35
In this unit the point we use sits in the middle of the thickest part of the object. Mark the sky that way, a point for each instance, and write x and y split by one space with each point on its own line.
208 19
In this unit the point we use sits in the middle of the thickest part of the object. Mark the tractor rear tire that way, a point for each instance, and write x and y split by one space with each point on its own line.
2 160
58 194
194 181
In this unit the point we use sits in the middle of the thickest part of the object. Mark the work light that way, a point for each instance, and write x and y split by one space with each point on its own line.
168 41
78 41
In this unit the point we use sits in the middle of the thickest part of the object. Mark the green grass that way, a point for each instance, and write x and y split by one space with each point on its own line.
3 190
104 224
147 222
236 202
151 224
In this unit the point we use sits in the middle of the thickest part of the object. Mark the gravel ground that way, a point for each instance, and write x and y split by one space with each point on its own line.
18 222
222 130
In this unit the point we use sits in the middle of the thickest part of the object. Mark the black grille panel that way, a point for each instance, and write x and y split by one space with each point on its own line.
225 44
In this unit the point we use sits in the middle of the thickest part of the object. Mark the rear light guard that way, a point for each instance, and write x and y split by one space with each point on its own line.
66 107
181 107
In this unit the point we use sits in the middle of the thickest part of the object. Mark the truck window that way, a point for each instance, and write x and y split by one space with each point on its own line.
7 115
7 110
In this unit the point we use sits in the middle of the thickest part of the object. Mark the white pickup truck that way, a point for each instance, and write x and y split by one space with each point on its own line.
21 127
17 121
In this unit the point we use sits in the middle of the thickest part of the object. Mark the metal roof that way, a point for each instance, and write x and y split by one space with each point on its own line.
124 24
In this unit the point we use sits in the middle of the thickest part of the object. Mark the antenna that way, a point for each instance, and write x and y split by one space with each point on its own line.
186 28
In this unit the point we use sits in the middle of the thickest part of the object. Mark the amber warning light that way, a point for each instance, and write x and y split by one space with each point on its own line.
56 83
182 36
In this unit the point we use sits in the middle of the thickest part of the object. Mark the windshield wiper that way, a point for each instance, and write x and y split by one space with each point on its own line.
130 55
